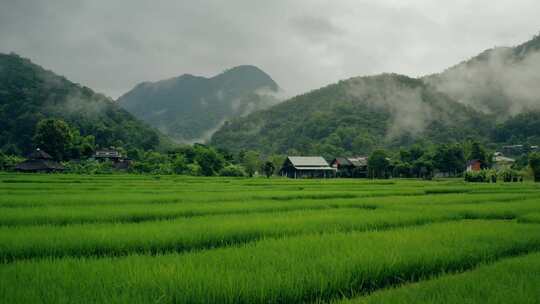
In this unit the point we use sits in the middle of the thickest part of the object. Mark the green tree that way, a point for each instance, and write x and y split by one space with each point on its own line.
251 162
209 160
449 159
269 168
534 163
378 164
179 165
55 137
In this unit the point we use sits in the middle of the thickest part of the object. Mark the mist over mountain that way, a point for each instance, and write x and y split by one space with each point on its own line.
29 93
191 108
502 82
468 101
355 116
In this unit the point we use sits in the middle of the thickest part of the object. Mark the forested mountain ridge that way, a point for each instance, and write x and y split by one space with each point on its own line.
29 93
355 116
190 108
471 100
502 81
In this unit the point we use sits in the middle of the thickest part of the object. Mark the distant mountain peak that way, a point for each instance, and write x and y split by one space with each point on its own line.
190 108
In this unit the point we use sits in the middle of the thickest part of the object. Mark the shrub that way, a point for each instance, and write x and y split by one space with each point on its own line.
482 176
232 171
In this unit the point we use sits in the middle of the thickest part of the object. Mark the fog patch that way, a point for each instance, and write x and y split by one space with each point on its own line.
409 114
498 82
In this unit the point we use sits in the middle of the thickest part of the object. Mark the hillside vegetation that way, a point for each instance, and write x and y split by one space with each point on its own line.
29 93
354 117
190 108
469 101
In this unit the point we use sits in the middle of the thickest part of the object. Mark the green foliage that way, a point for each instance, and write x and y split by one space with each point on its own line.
88 167
54 136
8 162
378 164
209 160
188 108
450 159
232 171
354 117
482 176
251 162
268 168
534 163
29 94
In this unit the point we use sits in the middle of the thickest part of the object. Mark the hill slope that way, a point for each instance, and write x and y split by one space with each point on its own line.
357 115
502 81
190 108
29 93
353 117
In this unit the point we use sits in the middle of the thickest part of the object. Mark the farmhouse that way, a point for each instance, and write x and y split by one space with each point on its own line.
306 167
474 165
39 161
119 162
501 162
112 155
350 166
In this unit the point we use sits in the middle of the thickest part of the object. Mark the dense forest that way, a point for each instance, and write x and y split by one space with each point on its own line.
190 108
483 98
356 116
29 94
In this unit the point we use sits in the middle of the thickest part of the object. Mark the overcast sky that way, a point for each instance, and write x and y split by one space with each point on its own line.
111 46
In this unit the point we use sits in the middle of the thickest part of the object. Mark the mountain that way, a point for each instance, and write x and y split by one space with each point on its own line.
190 108
354 117
501 82
29 93
471 100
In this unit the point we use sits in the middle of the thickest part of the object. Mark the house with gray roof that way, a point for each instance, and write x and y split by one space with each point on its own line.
351 166
306 167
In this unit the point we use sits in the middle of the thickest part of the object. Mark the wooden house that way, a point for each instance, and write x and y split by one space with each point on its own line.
39 161
119 161
350 166
474 165
501 162
306 167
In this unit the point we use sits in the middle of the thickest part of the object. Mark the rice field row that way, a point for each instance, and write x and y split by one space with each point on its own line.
143 239
512 280
290 270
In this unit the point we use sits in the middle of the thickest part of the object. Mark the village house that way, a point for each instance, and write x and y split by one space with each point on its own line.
474 165
501 162
119 161
39 161
351 166
306 167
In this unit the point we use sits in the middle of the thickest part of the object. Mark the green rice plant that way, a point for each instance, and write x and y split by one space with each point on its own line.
195 233
306 268
62 215
514 280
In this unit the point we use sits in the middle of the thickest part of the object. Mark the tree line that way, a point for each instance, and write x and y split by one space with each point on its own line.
64 143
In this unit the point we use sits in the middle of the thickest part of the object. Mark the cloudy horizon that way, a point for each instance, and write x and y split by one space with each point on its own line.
302 45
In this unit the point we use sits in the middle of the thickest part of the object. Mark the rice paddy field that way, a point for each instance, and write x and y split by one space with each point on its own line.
150 239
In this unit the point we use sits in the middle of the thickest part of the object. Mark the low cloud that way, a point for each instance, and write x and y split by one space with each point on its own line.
499 83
